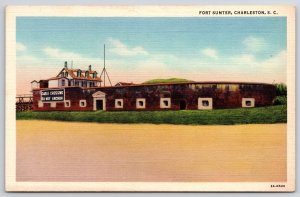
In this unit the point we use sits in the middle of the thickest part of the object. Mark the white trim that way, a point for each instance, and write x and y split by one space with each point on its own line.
116 103
104 103
35 84
163 105
138 100
53 105
245 100
67 101
66 82
200 103
84 103
99 96
51 89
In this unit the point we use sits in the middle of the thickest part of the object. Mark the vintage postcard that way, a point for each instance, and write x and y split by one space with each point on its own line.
150 98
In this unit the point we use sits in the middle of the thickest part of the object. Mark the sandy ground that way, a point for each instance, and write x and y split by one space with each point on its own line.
64 151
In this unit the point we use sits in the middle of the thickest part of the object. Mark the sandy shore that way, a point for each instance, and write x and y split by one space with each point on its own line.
65 151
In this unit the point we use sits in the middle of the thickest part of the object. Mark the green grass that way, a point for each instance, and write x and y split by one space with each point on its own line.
259 115
280 100
170 80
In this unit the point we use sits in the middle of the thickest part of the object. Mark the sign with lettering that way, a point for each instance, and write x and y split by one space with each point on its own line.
56 95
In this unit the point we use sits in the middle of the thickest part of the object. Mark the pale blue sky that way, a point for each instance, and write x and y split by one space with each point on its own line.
224 48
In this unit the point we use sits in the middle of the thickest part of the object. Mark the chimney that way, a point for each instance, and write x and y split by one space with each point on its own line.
90 67
66 64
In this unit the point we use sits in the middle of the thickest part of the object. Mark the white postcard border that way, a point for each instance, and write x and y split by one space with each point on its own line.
139 11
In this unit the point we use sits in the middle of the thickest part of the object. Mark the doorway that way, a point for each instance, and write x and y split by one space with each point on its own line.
99 104
182 105
99 101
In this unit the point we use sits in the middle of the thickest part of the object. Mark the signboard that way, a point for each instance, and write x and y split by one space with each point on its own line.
56 95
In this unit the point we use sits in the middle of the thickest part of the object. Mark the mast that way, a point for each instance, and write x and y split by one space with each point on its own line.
104 71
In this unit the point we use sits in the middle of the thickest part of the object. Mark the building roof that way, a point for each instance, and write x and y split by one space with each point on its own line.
54 78
73 73
173 83
192 83
124 84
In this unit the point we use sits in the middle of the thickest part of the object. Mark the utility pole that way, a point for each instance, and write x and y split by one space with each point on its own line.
104 71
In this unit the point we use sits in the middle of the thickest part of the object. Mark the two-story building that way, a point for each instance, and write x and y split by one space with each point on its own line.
69 77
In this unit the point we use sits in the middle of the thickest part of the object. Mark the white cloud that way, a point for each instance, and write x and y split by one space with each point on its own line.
240 67
276 61
27 59
121 49
20 46
255 44
61 54
209 52
267 70
276 64
243 59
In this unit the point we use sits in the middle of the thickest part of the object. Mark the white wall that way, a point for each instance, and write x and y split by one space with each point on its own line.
60 82
52 83
35 85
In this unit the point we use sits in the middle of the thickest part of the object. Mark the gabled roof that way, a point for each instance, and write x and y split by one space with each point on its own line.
124 84
82 76
53 78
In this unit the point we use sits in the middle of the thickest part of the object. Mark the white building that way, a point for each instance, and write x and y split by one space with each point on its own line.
70 77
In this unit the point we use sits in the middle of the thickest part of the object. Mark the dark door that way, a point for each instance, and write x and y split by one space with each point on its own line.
182 105
99 104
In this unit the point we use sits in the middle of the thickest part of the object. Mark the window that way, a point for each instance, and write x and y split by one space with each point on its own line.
205 103
78 73
63 83
227 87
165 102
119 103
67 103
52 105
82 103
40 104
233 87
140 103
248 102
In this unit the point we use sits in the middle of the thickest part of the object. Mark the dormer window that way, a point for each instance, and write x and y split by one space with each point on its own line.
94 75
78 73
86 73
